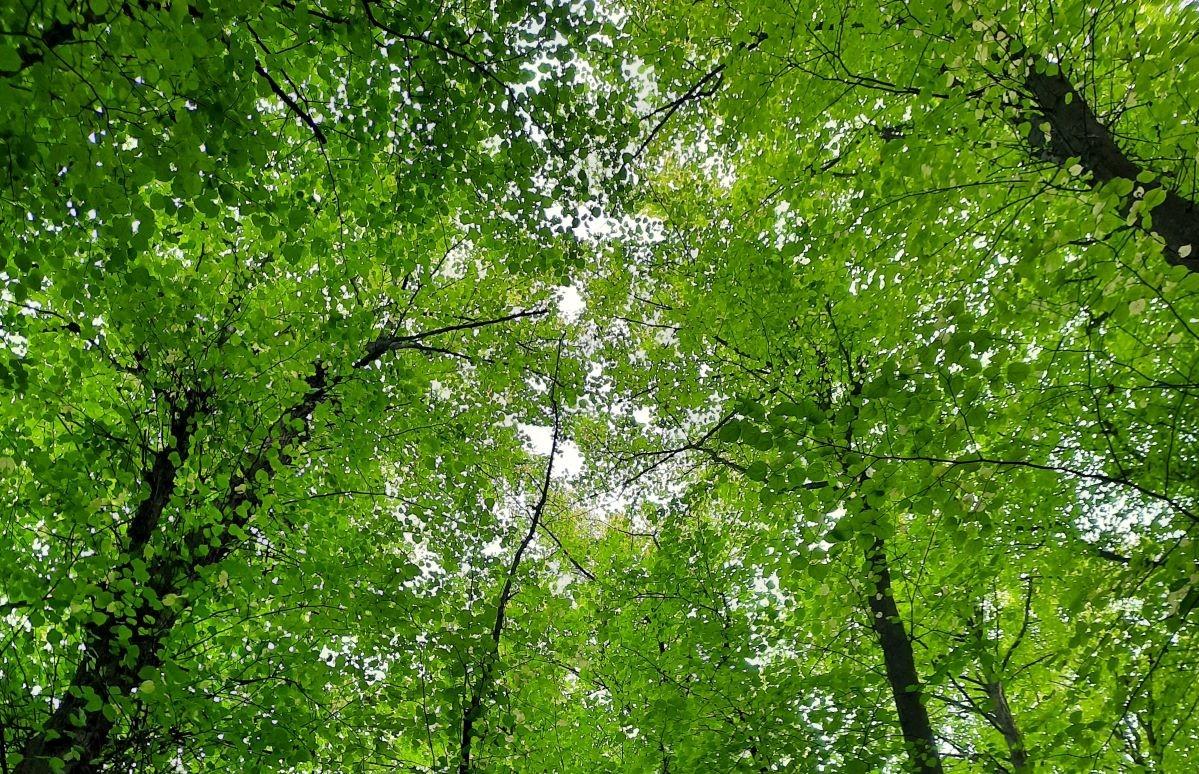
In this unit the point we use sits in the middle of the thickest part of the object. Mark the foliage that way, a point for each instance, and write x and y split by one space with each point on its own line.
880 376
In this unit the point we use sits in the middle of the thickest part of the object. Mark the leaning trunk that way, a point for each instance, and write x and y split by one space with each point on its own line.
1076 132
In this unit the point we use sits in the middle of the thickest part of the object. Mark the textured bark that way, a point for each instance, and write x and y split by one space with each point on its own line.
1077 132
107 667
900 663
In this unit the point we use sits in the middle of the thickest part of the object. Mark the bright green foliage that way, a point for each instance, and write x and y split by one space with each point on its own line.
882 385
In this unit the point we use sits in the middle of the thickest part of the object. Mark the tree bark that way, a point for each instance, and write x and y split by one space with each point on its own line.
1005 722
476 708
110 663
1076 132
900 663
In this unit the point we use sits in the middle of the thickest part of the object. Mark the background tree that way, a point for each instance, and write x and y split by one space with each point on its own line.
257 315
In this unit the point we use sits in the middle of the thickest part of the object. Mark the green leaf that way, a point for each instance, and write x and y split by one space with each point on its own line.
10 57
757 471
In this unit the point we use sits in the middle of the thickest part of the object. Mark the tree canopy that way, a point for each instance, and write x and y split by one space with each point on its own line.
540 386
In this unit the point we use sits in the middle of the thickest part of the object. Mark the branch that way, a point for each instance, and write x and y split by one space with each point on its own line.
665 455
476 65
1007 658
57 34
1077 132
573 562
483 685
695 92
291 103
538 509
385 343
1082 474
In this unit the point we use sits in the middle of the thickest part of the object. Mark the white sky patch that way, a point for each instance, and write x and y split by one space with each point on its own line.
570 304
569 461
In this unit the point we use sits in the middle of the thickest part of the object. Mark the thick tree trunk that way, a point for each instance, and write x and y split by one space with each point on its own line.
900 663
112 660
112 664
1076 132
109 666
118 647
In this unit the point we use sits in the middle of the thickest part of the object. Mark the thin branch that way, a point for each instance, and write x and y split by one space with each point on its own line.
482 686
573 562
291 103
385 343
696 92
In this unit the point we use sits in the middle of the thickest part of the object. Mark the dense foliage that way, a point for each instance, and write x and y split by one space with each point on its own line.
660 386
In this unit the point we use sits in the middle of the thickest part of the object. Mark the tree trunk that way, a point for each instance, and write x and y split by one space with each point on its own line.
111 663
1076 132
900 664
